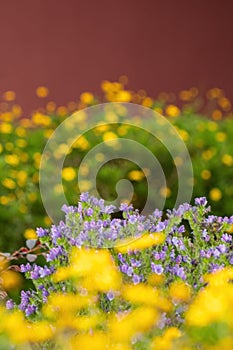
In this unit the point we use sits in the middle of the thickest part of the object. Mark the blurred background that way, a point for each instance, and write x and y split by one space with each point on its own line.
71 46
57 57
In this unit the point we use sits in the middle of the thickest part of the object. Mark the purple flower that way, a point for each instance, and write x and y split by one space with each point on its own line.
156 256
222 248
125 207
25 268
110 295
84 197
10 304
109 209
56 233
129 271
216 253
24 300
160 226
124 268
45 294
136 279
135 263
200 201
41 232
226 238
179 271
54 253
89 212
157 214
68 209
158 269
132 219
30 309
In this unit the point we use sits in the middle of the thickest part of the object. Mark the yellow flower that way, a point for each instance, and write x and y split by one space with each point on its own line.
96 269
217 114
146 241
136 175
6 128
165 192
227 159
95 341
208 154
81 143
10 280
221 136
4 200
30 233
183 134
156 280
172 111
124 327
68 174
165 342
41 119
9 183
87 98
147 102
109 135
215 194
42 91
123 96
62 111
205 174
9 96
179 291
21 143
21 178
20 131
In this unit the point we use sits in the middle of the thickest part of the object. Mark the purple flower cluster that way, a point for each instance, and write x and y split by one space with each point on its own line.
196 243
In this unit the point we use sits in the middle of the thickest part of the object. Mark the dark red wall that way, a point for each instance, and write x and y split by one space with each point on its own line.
72 45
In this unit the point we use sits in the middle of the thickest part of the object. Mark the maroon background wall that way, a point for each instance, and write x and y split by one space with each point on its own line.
72 45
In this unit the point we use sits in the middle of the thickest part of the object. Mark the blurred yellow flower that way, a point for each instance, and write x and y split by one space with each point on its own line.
9 183
42 91
87 98
10 280
109 135
136 175
68 174
20 131
123 96
215 194
41 119
165 192
206 174
216 114
30 233
9 95
145 241
12 159
147 102
180 291
227 159
221 136
141 294
172 111
81 143
6 128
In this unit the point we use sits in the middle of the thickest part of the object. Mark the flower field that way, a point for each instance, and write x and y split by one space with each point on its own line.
113 278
